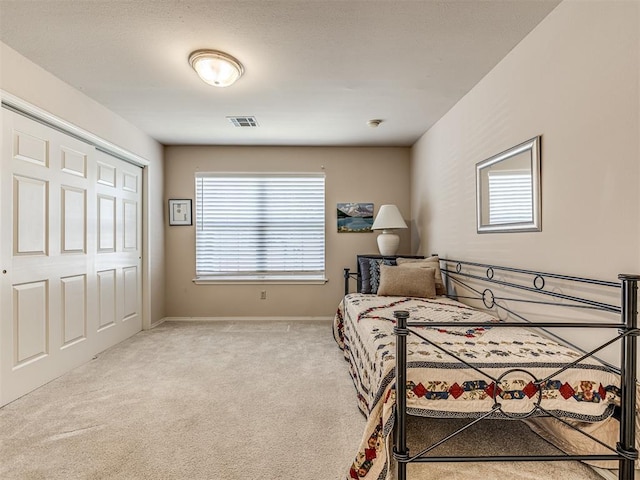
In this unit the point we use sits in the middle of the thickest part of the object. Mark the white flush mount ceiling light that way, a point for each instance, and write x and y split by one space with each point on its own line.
216 68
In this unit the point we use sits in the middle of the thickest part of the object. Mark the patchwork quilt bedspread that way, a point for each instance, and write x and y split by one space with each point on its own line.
439 385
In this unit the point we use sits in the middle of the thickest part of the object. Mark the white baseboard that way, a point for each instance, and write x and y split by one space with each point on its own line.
159 322
246 319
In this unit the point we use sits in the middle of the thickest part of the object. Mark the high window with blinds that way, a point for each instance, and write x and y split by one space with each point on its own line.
260 227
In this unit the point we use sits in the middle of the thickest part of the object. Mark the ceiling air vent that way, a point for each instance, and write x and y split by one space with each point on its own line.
243 121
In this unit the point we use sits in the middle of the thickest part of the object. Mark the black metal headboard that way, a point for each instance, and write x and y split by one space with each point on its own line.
456 271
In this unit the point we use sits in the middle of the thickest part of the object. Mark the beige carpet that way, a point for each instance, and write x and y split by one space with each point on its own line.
228 401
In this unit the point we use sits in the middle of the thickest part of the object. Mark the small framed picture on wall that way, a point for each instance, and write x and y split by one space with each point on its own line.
180 212
355 217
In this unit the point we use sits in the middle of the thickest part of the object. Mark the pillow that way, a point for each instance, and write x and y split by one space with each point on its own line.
370 273
429 262
575 443
407 282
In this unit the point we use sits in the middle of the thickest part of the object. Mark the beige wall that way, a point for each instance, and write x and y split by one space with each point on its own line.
24 79
575 81
378 175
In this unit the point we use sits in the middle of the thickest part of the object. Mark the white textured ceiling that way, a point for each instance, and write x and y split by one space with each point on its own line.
315 70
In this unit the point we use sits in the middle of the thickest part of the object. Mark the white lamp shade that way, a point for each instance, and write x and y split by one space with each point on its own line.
388 217
216 68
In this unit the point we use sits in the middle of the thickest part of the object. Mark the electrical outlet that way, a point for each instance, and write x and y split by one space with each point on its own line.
263 295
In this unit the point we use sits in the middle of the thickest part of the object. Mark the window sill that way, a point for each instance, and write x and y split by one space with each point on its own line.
259 281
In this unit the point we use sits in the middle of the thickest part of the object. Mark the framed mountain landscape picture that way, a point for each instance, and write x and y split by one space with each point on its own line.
355 217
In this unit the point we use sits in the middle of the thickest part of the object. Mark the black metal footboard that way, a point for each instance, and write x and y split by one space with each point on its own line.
627 331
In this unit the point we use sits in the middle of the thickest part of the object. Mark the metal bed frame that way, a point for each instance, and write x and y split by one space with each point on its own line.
624 452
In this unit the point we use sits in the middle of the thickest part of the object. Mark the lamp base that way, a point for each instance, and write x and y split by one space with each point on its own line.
388 243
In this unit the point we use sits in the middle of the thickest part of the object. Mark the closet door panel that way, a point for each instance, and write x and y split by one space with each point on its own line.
31 323
31 216
119 257
74 220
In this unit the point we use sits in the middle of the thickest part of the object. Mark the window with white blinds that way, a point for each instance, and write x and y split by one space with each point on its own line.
510 197
260 227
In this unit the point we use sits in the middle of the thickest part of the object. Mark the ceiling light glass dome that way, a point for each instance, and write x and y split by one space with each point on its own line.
216 68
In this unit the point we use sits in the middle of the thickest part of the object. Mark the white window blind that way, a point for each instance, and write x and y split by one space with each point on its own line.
510 197
260 226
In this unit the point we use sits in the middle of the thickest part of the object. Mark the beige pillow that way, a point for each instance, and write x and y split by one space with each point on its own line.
407 282
575 443
429 262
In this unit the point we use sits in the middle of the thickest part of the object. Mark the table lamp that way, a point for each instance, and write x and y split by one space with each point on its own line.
388 219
